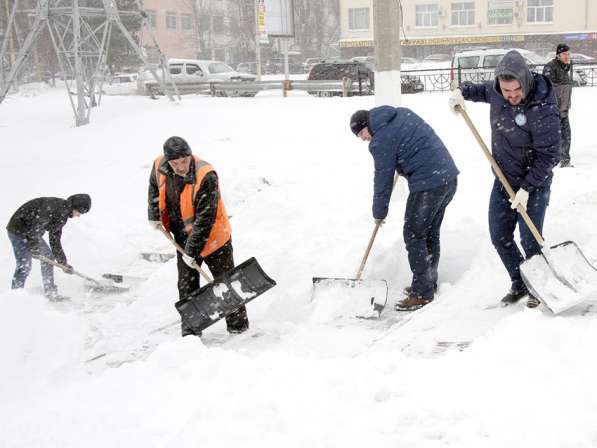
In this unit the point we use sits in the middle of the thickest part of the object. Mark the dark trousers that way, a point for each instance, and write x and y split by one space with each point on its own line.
502 223
22 250
218 262
566 139
422 222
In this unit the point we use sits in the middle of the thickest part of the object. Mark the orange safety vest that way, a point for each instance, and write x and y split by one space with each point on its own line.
220 231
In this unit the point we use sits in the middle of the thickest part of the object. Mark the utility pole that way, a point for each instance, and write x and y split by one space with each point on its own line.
386 17
257 10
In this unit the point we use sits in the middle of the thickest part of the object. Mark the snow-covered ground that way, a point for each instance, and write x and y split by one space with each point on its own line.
93 372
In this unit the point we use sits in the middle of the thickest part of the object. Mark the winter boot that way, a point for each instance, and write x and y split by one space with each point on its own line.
513 296
53 296
407 291
533 302
411 303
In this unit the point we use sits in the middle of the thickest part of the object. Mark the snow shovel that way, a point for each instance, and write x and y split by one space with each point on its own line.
560 276
221 297
93 284
366 298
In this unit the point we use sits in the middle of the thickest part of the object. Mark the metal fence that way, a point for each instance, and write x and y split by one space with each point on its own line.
427 80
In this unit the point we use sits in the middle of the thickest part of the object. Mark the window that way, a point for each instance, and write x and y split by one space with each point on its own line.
426 15
218 24
358 18
186 22
463 13
204 23
175 69
500 12
468 62
171 20
193 69
492 61
152 18
540 11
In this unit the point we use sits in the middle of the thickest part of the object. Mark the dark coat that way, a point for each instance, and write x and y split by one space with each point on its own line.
41 215
560 76
403 142
206 205
528 151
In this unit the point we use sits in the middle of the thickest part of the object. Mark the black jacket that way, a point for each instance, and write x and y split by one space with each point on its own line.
560 75
206 206
41 215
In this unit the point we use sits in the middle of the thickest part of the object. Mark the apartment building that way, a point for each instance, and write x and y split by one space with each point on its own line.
173 24
191 28
445 26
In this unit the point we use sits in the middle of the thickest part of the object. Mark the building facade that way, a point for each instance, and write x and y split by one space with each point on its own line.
446 26
200 29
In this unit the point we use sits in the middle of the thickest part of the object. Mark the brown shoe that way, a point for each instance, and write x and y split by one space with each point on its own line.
412 303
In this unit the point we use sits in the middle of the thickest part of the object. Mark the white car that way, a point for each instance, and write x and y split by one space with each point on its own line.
189 71
479 65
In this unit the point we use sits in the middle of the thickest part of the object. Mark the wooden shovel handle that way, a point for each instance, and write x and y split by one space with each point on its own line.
61 266
373 235
502 178
205 275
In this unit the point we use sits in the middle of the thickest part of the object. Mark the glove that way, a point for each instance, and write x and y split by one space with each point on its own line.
189 261
456 99
521 198
68 269
380 222
155 225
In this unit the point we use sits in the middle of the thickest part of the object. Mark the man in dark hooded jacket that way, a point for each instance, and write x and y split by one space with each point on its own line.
559 72
525 142
402 142
26 229
184 198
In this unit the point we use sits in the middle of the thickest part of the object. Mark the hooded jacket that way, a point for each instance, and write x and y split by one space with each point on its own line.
41 215
403 142
560 75
525 139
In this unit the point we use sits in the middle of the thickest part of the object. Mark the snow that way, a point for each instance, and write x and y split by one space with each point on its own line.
108 371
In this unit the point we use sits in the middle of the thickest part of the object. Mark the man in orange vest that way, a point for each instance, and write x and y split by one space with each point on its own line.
185 199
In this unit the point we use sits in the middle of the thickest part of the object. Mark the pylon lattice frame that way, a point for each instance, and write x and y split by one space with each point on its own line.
81 46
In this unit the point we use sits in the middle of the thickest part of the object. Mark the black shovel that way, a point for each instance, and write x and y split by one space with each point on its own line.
561 276
93 284
222 296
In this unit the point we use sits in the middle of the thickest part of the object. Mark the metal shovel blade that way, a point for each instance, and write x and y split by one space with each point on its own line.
561 277
337 297
106 288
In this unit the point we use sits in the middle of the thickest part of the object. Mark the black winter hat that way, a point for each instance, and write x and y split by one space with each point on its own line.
176 147
359 121
562 48
80 202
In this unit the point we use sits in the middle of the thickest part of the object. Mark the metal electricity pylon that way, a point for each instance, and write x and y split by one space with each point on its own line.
80 36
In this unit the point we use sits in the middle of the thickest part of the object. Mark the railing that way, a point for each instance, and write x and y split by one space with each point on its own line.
428 80
344 87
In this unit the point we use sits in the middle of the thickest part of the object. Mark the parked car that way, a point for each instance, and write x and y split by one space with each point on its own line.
121 78
275 66
362 75
437 57
479 65
578 58
189 71
311 62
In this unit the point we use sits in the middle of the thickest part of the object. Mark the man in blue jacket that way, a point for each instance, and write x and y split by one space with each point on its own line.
525 142
402 142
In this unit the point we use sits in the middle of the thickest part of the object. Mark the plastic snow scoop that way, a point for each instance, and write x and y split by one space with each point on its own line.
560 276
225 295
93 284
362 298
